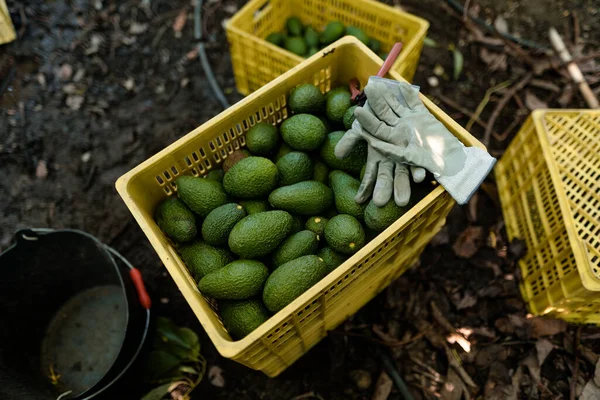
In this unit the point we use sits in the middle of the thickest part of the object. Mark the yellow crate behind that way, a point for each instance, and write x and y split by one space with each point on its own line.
256 62
7 31
291 332
549 185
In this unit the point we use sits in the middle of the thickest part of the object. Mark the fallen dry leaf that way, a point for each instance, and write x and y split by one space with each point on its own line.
179 23
501 24
546 327
192 54
95 41
533 102
467 301
488 354
495 61
441 238
469 242
544 347
383 387
41 171
136 28
567 95
74 101
362 379
533 366
591 391
454 387
129 83
230 8
461 340
215 376
65 72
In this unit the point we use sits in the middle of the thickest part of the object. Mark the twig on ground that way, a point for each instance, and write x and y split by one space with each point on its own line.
383 388
576 30
573 69
542 84
451 103
440 319
484 101
465 15
576 366
167 15
524 42
309 395
587 57
517 121
23 27
388 343
434 375
520 103
501 104
455 362
388 364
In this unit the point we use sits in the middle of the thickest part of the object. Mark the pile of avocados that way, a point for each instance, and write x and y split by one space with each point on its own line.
305 41
280 214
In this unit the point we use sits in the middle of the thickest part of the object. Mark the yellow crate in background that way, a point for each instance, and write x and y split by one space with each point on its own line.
291 332
549 186
257 62
7 31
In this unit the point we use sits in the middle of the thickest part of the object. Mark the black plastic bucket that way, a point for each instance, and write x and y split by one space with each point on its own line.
72 318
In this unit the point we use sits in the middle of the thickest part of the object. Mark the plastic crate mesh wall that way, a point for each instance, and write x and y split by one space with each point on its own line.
256 63
332 306
560 274
329 308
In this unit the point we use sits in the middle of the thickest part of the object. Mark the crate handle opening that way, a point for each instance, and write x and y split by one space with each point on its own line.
261 10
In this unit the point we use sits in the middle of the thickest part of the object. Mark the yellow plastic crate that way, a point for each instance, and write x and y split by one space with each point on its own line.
549 185
291 332
7 31
257 62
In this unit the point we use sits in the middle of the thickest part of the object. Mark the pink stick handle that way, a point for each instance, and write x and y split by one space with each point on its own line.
390 59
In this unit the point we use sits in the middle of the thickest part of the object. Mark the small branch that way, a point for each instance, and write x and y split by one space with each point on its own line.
573 69
576 31
515 122
451 103
393 373
484 101
309 395
502 103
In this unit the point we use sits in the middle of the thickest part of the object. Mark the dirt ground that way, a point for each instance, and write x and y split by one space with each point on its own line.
94 87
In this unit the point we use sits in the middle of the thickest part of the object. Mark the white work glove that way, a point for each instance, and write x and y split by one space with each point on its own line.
399 126
382 175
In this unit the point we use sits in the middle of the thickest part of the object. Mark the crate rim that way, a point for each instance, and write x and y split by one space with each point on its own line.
232 348
406 48
588 279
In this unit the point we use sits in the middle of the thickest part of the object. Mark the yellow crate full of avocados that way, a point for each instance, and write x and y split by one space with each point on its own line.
256 61
549 186
293 330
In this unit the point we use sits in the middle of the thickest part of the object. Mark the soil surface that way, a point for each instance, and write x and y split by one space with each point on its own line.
94 87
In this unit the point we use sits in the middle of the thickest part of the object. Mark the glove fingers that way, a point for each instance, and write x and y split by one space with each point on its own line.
379 105
384 186
371 123
395 102
401 185
347 143
396 153
418 174
368 182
